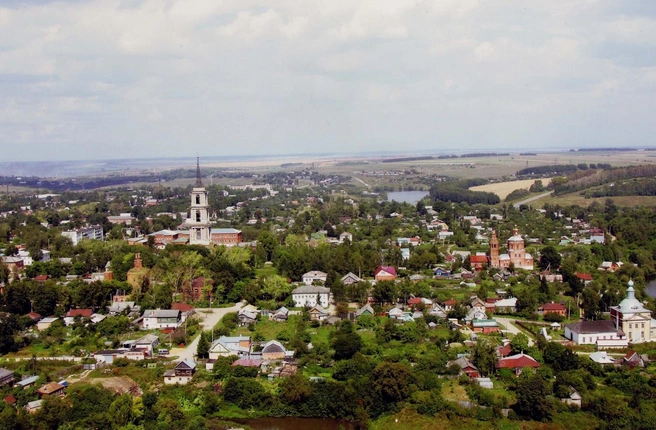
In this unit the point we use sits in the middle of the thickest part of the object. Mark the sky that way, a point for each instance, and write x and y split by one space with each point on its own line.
166 78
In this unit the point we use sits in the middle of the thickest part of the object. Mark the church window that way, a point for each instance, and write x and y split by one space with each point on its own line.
197 216
198 234
197 199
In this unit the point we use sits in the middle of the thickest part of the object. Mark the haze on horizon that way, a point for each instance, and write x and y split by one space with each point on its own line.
109 79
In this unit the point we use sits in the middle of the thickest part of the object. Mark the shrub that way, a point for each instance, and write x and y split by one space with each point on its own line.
121 362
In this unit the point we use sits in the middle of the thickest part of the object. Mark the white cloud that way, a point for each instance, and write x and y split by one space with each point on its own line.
241 76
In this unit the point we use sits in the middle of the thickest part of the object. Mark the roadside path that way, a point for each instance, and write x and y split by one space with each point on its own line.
361 181
210 318
530 199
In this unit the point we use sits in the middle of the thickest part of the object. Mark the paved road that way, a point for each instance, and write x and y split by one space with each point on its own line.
530 199
511 328
209 319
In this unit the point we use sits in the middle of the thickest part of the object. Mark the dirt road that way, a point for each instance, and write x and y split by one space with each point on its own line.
511 328
531 199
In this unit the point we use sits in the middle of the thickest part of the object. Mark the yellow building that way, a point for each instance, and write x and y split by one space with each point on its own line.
633 318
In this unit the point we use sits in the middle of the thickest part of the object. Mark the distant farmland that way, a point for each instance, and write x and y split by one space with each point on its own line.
502 189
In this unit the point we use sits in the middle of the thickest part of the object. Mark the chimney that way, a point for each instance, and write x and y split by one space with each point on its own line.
138 264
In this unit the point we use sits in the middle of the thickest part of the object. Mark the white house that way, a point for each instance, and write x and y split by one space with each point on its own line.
314 276
28 260
226 346
161 318
149 342
506 305
307 295
181 374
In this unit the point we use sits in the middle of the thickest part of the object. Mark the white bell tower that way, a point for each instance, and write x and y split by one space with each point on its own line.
199 219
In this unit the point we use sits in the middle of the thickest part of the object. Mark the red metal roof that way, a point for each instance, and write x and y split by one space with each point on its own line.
553 307
517 361
84 313
504 351
584 276
389 269
182 307
247 362
414 301
478 259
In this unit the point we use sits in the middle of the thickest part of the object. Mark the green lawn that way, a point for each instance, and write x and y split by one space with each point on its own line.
266 271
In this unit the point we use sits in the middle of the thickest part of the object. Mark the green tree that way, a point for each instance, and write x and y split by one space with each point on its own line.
295 390
519 343
244 392
392 382
120 411
591 304
484 357
203 349
549 258
346 344
275 287
532 397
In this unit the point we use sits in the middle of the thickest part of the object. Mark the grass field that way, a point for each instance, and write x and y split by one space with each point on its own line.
502 189
577 199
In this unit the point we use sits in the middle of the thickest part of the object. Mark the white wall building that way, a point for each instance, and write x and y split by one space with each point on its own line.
314 276
161 318
307 295
92 232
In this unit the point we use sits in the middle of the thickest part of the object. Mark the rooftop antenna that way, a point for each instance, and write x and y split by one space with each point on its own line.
199 183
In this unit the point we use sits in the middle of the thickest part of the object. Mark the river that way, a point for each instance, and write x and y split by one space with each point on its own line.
293 423
411 197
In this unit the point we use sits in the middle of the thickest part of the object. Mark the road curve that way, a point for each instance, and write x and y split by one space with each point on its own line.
530 199
209 319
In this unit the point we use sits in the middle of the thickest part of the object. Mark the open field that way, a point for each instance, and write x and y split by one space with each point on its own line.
414 173
502 189
577 199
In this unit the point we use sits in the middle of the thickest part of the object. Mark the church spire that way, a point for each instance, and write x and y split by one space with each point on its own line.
199 183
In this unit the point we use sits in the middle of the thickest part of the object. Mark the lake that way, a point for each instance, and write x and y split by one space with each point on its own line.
411 197
293 423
